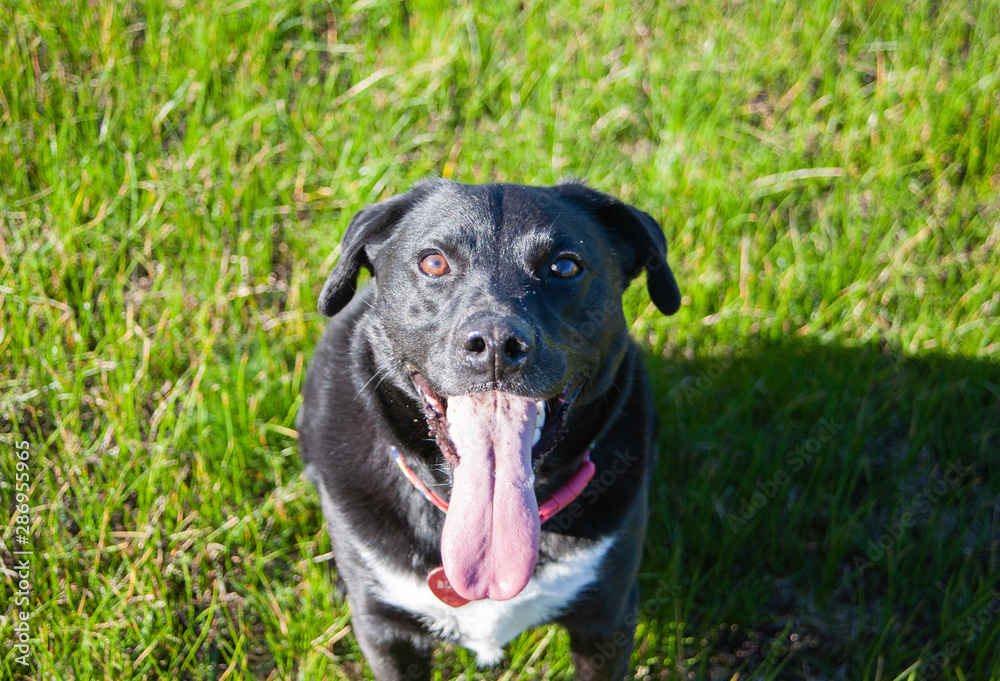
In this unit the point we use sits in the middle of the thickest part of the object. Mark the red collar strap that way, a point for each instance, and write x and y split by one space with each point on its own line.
559 500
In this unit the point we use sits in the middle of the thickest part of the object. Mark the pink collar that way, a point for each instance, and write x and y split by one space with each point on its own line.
559 500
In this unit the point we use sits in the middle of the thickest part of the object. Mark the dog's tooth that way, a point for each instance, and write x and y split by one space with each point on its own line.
537 437
539 414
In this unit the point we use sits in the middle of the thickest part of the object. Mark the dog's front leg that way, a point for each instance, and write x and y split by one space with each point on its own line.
601 648
394 653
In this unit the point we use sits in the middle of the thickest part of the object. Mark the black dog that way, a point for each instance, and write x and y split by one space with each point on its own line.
494 322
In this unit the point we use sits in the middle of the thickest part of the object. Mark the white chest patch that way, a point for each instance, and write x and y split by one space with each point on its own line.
484 626
481 626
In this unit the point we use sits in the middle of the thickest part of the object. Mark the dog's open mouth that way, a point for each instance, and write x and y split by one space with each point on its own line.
550 419
493 440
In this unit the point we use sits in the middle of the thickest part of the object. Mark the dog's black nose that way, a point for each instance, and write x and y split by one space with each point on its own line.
498 345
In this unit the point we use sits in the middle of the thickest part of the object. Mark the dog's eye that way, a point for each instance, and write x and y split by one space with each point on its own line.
434 265
565 268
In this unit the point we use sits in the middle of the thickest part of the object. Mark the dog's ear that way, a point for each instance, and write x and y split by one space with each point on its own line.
370 227
642 236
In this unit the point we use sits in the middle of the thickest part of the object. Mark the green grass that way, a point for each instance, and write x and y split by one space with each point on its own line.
173 181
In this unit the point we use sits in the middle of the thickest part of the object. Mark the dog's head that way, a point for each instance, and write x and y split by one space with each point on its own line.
496 307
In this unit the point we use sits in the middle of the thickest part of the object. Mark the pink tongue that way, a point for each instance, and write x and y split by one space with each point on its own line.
490 541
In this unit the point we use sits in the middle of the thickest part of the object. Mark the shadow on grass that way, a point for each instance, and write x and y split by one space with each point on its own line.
820 509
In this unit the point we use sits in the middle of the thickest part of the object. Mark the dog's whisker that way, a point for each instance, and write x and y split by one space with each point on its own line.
385 374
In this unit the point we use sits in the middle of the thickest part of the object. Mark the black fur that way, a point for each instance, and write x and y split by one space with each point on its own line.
360 399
